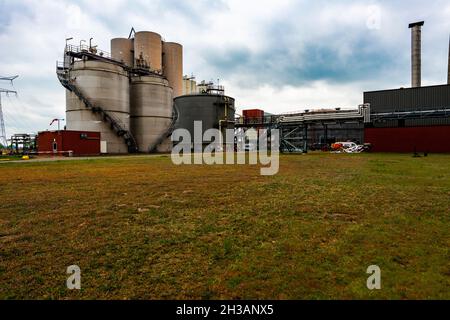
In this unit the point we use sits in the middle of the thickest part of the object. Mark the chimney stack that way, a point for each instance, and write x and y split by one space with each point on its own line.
448 73
416 53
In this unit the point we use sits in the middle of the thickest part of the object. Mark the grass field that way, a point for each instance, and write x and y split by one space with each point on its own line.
142 228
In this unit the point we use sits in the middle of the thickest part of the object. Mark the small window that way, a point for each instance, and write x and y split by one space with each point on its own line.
83 136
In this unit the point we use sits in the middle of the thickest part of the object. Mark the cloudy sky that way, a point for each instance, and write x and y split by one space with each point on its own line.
277 55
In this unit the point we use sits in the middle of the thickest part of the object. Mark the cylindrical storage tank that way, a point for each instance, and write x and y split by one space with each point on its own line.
151 112
105 85
122 49
189 86
173 66
148 45
209 109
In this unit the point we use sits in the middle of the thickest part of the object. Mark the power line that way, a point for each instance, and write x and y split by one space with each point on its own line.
18 105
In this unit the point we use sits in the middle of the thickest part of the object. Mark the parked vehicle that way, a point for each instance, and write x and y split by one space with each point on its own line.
343 145
349 147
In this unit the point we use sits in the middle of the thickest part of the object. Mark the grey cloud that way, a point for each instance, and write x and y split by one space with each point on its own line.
299 43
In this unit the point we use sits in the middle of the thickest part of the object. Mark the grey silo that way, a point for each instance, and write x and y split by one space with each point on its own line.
210 109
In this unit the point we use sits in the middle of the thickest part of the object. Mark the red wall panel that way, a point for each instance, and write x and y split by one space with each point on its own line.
253 116
409 139
253 113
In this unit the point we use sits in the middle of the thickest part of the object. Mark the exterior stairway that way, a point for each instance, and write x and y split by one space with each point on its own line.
116 126
166 134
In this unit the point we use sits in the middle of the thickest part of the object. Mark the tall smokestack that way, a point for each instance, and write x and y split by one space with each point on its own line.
448 74
416 53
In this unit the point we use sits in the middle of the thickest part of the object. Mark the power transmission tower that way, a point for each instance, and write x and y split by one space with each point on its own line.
3 139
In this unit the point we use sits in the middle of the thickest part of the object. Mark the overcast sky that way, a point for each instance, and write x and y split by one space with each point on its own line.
278 55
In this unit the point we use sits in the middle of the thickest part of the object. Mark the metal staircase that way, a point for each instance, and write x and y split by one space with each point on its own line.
116 125
166 133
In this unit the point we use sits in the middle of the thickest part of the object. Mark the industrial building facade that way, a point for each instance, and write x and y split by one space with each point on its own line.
401 120
415 119
409 120
137 96
312 129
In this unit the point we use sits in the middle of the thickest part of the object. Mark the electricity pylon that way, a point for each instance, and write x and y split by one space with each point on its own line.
3 139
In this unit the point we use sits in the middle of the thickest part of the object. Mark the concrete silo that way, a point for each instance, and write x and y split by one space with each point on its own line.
122 49
173 66
104 85
148 50
151 112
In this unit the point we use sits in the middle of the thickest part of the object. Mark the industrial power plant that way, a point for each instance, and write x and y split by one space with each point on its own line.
224 151
132 99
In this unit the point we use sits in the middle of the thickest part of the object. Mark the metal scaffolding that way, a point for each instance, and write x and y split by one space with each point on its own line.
23 143
294 128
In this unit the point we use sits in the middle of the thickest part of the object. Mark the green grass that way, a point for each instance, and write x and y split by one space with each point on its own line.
10 158
142 228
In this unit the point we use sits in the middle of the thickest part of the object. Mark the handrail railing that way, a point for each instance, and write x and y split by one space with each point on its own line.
88 49
412 114
60 65
93 52
116 124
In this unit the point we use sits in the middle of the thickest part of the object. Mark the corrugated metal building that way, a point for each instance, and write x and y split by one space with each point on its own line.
410 119
409 99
